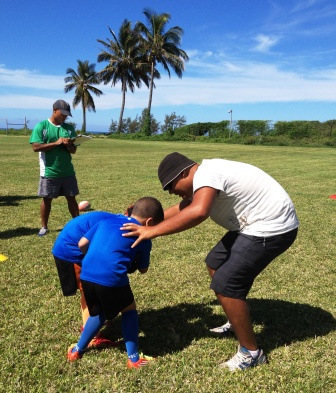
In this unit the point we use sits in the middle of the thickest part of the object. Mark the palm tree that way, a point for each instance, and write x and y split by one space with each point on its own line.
126 62
83 81
161 47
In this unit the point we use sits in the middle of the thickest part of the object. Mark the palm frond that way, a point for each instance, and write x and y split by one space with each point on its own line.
83 82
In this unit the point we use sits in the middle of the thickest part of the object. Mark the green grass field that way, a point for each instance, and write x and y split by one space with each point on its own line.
292 301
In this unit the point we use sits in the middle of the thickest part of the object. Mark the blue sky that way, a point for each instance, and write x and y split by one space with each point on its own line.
262 59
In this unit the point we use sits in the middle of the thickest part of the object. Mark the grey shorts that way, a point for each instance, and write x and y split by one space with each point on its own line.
238 259
53 188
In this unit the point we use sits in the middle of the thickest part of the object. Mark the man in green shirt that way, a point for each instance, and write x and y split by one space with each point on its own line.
53 140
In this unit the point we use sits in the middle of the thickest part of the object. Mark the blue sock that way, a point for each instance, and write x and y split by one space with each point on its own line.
130 330
91 328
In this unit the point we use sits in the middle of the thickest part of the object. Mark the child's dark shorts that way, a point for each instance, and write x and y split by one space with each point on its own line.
108 300
68 274
238 259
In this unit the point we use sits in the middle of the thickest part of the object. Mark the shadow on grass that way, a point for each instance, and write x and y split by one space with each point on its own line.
14 200
171 329
285 322
21 231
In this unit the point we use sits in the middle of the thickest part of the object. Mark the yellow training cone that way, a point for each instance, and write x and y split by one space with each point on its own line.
3 258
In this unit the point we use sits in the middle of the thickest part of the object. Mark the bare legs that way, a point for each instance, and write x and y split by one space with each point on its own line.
45 209
238 314
84 308
72 206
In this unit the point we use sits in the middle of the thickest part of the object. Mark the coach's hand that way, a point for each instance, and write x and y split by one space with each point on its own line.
142 232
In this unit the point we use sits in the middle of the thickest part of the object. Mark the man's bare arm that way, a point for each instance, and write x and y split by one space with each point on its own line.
191 216
67 142
175 209
83 245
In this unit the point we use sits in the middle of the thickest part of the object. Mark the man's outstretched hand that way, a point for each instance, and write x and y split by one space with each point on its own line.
142 232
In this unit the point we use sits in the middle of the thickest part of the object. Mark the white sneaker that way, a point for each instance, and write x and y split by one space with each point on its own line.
223 330
43 231
243 360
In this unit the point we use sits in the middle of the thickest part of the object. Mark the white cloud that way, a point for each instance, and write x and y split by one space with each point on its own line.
192 53
232 67
22 101
29 79
204 83
247 82
264 43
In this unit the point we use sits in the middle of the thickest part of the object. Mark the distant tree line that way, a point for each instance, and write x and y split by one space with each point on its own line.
264 132
249 132
174 124
260 128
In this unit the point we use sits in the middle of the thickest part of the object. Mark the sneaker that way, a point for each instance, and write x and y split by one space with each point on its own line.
143 361
224 330
101 342
73 355
43 231
243 360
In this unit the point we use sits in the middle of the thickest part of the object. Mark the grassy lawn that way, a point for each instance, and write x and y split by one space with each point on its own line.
292 302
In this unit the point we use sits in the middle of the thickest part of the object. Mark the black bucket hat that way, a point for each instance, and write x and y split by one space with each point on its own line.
171 166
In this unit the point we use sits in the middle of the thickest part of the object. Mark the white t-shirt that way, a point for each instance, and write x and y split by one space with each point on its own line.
248 200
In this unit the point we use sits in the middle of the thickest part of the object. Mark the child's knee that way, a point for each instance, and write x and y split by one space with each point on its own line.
131 307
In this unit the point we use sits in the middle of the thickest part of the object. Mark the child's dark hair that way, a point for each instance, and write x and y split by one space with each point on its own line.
147 207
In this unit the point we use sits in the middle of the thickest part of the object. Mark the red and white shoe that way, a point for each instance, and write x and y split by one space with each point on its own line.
143 361
73 355
101 342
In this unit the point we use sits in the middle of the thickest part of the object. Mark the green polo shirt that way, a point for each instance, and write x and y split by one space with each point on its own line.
57 161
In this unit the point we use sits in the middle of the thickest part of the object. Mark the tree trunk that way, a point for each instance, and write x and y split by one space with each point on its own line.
151 85
122 106
84 118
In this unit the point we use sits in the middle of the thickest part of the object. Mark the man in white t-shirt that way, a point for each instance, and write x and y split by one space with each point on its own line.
261 222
